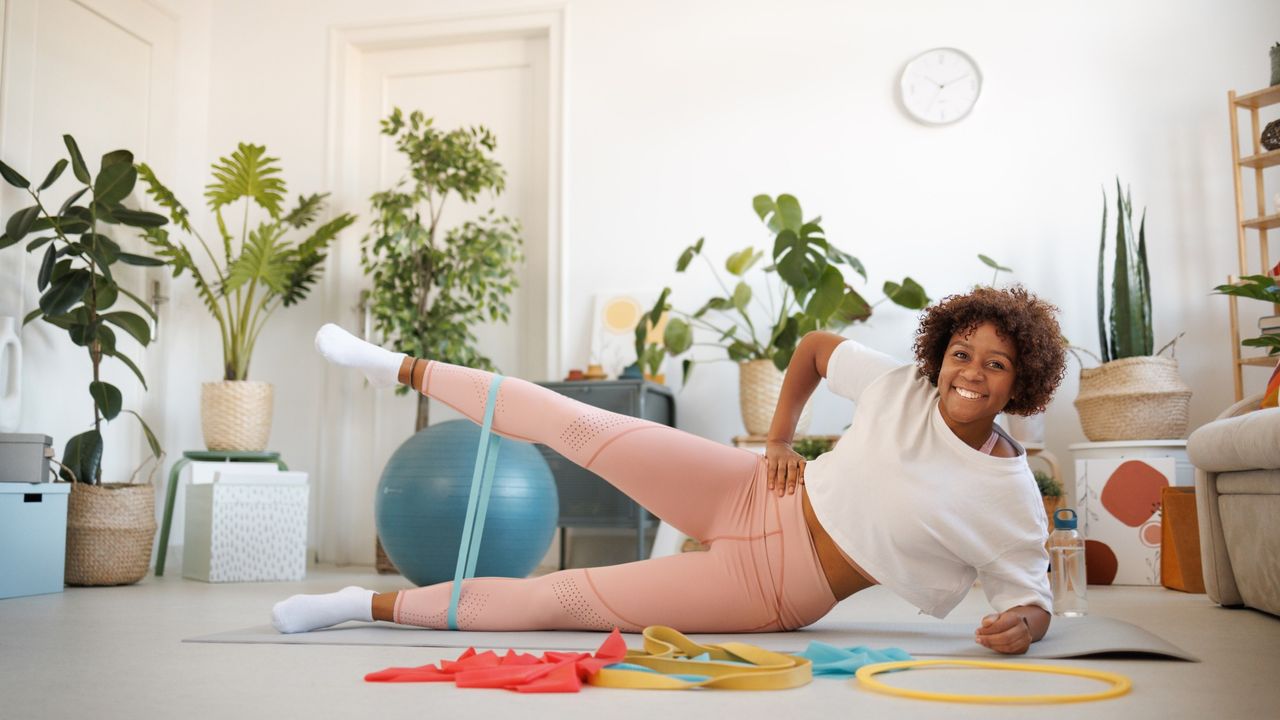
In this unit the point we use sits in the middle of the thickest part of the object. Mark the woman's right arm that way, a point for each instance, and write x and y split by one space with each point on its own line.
807 367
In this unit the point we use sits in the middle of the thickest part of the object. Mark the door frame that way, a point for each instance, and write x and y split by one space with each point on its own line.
347 45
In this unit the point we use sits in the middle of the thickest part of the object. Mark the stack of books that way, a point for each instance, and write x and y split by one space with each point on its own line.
1269 325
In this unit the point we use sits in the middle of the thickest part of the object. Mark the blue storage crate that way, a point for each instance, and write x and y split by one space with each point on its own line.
33 537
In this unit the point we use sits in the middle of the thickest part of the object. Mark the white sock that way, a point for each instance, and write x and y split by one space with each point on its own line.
304 613
379 365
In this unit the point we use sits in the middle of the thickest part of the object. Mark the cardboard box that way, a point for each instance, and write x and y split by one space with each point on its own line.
23 458
247 527
33 537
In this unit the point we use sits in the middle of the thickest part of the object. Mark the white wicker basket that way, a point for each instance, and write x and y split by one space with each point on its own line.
1138 398
759 384
236 415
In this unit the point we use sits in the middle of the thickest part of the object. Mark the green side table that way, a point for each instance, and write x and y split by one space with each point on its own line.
204 456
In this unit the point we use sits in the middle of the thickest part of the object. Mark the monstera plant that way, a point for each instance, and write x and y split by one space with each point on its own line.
110 526
806 290
271 265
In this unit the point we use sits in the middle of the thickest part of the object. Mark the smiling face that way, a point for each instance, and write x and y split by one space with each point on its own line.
977 375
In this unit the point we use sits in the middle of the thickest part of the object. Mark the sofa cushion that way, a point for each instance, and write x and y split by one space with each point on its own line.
1249 482
1246 442
1247 523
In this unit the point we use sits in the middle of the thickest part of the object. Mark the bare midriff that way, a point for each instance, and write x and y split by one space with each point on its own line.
843 574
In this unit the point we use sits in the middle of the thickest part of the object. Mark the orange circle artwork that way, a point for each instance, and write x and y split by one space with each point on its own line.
1132 493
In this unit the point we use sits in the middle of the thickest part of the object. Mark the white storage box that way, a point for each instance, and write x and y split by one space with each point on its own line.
247 528
33 537
1118 503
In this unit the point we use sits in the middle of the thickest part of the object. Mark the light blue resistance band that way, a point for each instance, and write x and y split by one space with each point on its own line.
478 504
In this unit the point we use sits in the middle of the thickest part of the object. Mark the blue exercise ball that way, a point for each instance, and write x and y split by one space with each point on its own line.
422 503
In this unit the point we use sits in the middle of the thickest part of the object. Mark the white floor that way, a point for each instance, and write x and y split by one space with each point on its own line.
117 653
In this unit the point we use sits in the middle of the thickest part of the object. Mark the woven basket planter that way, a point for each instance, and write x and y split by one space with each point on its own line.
1138 398
109 533
236 415
759 384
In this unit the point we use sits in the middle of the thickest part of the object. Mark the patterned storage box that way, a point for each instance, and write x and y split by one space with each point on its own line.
247 528
1120 516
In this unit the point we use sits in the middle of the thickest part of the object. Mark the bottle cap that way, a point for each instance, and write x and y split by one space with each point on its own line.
1062 521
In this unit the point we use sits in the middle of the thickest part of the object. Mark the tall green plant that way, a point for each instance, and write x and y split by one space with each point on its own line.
261 272
814 294
1130 314
431 286
77 284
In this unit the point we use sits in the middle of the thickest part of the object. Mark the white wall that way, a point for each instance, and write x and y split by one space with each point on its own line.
679 112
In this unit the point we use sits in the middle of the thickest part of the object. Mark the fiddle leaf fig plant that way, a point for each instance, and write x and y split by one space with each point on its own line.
78 288
806 290
262 270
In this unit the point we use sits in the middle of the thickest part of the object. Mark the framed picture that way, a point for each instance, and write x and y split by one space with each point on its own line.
613 343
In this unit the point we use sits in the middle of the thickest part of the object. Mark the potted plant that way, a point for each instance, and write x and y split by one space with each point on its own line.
110 526
255 276
1258 287
1133 394
1050 493
431 285
806 291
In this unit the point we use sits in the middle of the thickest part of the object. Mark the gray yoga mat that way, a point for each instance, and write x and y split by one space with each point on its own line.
1067 638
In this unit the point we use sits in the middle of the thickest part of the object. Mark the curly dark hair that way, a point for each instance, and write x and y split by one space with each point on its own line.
1018 316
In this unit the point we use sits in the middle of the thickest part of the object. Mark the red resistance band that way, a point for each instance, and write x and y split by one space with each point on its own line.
522 672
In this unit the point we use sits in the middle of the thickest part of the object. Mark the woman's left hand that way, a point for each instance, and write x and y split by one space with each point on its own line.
1008 633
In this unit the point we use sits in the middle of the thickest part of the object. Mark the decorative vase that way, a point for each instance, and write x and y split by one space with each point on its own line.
110 529
10 374
236 415
759 384
1137 398
1026 428
1275 64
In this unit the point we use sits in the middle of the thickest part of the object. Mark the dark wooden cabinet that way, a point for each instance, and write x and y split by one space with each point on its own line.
586 499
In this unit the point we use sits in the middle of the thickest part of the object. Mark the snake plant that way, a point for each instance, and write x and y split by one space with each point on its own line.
1129 320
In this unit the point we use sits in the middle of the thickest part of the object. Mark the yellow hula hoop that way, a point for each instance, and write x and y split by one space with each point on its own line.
1119 683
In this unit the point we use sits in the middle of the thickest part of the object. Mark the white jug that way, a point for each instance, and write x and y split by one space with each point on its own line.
10 374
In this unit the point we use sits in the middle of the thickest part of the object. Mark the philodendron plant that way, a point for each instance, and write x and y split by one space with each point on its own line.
814 294
1258 287
77 287
261 272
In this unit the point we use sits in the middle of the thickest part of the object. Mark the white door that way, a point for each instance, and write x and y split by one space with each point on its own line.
501 84
99 70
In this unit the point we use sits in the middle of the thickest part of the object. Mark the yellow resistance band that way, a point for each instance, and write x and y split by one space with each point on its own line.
732 666
1119 683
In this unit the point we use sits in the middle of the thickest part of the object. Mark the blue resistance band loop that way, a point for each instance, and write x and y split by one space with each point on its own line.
478 503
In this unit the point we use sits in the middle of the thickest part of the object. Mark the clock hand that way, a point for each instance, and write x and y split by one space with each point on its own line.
956 79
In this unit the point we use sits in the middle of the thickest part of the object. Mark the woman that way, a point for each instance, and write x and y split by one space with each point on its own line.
922 494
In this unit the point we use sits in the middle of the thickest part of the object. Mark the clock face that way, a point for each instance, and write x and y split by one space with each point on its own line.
940 86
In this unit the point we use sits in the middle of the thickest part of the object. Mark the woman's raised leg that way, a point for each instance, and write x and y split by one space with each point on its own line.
682 478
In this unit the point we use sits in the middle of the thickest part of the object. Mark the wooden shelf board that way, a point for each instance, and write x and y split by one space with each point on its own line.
1260 98
1266 222
1259 361
1261 160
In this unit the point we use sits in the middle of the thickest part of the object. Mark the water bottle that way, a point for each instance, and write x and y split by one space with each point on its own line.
1066 566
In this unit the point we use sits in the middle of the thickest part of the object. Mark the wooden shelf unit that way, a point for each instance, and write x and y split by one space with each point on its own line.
1258 160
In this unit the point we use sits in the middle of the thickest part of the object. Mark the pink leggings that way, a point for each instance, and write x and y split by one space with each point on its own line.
760 574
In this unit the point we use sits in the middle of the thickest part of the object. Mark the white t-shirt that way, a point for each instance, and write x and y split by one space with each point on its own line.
921 511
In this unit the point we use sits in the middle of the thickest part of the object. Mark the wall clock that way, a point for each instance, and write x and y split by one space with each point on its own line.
940 86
